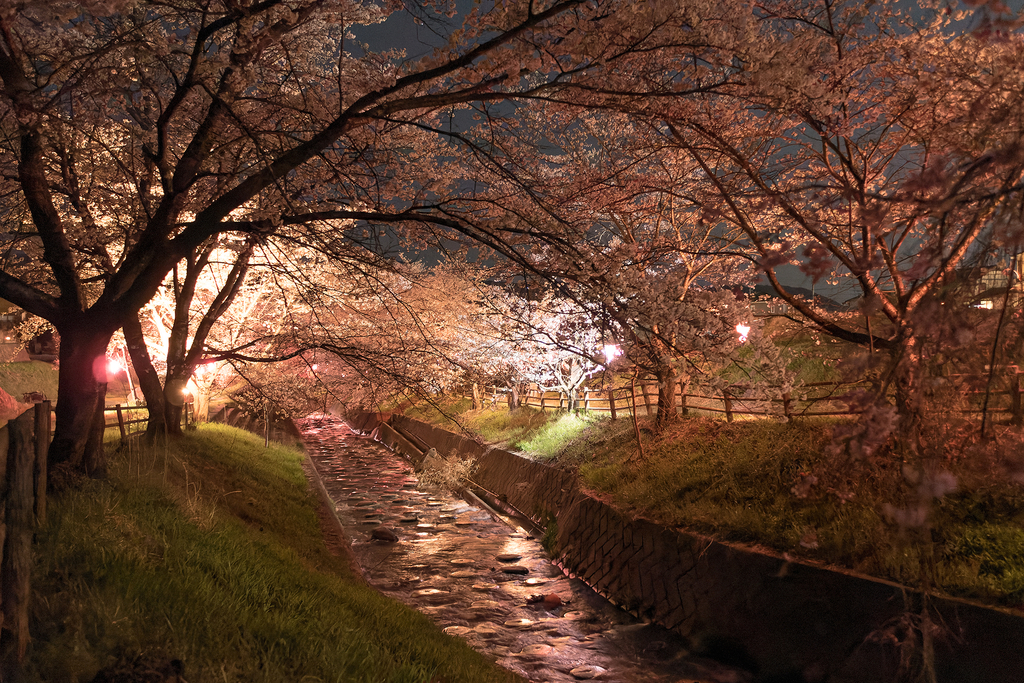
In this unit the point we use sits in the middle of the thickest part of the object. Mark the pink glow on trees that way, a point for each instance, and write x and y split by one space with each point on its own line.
131 140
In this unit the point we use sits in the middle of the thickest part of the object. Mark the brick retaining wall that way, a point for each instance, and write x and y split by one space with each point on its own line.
787 617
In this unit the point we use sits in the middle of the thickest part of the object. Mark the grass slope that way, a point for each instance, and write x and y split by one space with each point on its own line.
24 377
211 552
736 481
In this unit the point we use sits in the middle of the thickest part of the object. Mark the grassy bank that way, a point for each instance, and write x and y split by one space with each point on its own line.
211 553
25 377
742 481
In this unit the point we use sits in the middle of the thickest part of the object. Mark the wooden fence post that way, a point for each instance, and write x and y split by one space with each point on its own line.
120 420
787 408
16 566
477 405
683 388
42 443
611 401
1015 402
727 400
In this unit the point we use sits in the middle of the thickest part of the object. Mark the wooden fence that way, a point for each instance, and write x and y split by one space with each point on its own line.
23 444
23 450
128 419
814 399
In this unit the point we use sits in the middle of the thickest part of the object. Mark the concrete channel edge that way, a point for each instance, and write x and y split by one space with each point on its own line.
783 620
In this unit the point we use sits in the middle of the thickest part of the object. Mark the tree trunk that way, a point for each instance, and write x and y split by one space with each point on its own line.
668 380
174 401
94 462
908 398
81 398
149 378
515 398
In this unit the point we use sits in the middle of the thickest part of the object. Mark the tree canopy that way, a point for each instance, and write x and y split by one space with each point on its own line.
629 154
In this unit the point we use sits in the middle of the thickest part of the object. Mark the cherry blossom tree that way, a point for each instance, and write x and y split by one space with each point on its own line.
134 132
546 340
888 156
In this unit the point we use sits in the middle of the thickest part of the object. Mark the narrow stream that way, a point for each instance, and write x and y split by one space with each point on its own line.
487 582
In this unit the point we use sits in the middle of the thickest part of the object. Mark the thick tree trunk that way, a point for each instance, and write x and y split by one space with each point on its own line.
173 405
80 399
668 380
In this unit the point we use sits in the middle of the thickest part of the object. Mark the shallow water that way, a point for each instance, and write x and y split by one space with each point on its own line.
484 581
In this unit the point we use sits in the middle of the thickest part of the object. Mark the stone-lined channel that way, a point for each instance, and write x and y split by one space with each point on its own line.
485 581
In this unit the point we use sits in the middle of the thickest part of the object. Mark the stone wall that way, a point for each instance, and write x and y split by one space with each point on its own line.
785 620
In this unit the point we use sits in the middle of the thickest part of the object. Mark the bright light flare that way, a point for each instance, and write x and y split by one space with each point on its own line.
611 352
743 331
113 366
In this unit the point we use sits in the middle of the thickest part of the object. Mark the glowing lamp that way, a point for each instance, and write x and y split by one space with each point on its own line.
743 331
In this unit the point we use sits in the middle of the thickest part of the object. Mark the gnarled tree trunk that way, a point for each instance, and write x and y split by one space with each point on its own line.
81 391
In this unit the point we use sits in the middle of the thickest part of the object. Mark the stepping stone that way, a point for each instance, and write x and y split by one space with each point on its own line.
463 561
372 520
516 569
586 672
573 616
382 533
484 586
508 557
430 591
537 650
464 574
519 623
484 604
457 630
533 581
409 520
552 600
486 628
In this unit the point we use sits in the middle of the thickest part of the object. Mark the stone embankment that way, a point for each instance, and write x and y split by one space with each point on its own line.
782 619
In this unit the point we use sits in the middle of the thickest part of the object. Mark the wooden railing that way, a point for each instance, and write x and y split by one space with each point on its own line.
814 399
128 418
124 417
23 444
23 450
